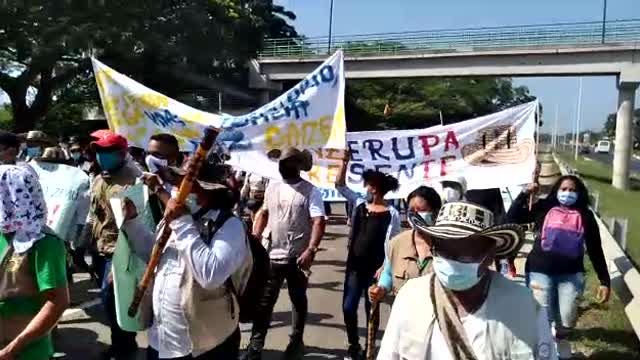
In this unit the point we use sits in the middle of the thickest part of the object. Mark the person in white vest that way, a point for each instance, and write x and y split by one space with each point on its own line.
294 211
204 267
463 310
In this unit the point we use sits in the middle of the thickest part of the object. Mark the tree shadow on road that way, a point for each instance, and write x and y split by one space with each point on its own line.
330 286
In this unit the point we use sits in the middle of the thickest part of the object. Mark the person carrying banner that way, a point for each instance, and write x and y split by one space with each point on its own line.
410 254
453 188
563 226
33 282
206 258
117 172
373 225
294 211
463 310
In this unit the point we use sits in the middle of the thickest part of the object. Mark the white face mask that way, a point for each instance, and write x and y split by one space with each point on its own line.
154 163
451 194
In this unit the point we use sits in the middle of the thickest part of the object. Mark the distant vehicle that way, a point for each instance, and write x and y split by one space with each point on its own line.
585 149
603 147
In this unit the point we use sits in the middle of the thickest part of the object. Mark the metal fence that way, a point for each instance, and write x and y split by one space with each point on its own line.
472 39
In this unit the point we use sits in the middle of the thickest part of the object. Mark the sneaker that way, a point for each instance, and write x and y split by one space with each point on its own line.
354 353
294 351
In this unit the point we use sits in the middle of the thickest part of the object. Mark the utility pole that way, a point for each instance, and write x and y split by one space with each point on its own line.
604 20
330 27
578 119
555 130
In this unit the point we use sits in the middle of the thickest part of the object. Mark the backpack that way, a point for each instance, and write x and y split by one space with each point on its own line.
249 299
563 232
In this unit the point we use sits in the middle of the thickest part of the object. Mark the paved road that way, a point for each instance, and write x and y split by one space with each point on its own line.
608 159
82 333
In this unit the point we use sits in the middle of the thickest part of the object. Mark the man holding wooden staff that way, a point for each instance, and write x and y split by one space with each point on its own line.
205 264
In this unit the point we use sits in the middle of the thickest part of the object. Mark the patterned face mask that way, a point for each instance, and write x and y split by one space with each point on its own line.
23 211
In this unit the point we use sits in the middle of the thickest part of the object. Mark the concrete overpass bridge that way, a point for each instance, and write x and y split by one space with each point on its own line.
576 49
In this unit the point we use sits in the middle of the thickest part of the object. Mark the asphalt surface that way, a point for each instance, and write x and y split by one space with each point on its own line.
83 334
608 159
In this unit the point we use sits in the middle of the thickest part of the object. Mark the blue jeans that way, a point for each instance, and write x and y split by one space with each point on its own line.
560 295
355 285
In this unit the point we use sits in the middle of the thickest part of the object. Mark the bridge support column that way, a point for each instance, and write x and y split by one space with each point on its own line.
264 97
624 135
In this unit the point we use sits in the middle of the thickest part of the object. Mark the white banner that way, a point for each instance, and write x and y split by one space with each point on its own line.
492 151
309 116
66 191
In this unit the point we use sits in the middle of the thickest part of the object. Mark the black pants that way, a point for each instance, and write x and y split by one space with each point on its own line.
355 284
297 285
229 349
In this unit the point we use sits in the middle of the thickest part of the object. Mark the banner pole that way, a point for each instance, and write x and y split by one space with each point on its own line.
537 150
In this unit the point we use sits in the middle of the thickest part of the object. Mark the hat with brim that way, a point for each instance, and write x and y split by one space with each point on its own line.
462 220
209 178
303 158
39 137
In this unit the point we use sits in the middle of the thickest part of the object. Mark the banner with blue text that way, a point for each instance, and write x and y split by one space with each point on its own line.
308 116
492 151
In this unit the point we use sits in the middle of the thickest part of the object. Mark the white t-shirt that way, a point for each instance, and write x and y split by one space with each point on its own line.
316 204
475 326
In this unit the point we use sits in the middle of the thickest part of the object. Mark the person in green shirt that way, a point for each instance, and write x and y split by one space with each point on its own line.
33 282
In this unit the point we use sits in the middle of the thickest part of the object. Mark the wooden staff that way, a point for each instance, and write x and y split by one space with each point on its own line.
371 330
185 188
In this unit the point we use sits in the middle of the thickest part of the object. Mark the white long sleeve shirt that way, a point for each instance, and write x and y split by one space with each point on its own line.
211 265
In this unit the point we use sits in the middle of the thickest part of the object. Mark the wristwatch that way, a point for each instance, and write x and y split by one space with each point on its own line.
313 249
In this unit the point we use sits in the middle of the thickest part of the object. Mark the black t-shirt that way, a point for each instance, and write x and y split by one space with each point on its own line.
367 247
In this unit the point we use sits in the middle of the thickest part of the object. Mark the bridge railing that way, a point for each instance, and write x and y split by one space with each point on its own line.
472 39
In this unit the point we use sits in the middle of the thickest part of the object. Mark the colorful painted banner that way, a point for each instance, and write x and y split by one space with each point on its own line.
492 151
310 115
66 190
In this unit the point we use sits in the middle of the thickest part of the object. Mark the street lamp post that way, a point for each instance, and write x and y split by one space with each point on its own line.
578 120
330 27
604 20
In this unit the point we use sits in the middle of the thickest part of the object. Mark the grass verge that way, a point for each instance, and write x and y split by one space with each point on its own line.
603 332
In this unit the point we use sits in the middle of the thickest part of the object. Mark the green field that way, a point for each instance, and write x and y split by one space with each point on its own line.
604 332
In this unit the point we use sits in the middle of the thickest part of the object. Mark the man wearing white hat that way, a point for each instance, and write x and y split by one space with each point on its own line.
463 310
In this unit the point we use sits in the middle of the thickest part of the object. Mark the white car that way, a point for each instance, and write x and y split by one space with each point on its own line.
603 146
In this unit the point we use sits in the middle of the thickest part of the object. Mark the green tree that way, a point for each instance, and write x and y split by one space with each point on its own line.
609 128
420 103
45 45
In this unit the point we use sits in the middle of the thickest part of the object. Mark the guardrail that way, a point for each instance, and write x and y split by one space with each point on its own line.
625 278
471 39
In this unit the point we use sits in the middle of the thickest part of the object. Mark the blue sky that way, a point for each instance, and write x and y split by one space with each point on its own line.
375 16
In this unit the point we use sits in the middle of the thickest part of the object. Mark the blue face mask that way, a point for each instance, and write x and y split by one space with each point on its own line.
567 198
34 152
427 216
109 161
76 156
456 275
